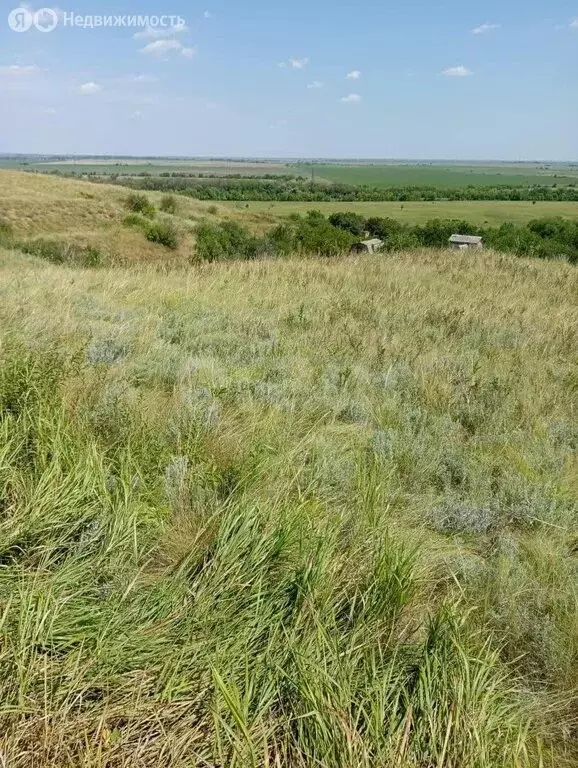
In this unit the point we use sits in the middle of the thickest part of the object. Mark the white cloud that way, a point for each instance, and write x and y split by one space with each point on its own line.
137 115
459 71
162 48
88 89
144 79
207 15
483 28
156 33
355 75
574 22
295 63
18 70
315 84
352 98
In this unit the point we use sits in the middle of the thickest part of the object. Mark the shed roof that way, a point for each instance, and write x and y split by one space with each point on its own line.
470 239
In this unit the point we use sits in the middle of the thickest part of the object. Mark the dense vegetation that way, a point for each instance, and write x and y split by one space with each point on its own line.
295 191
315 234
289 513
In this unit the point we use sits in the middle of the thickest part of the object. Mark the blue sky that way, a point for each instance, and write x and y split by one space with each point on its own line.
322 78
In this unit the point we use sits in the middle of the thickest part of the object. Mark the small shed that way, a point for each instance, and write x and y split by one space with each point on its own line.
466 243
367 246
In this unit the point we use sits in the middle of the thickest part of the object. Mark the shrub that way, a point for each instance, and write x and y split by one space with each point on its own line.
383 228
225 241
62 252
350 222
316 235
402 241
436 232
139 203
164 233
6 233
169 204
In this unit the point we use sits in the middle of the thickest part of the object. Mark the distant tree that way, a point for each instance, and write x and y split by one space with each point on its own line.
383 228
350 222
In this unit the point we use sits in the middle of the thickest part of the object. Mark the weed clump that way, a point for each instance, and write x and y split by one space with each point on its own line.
164 233
6 233
139 203
63 252
169 204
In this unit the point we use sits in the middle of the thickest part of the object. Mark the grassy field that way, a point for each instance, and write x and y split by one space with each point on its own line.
288 513
107 167
491 212
450 176
386 174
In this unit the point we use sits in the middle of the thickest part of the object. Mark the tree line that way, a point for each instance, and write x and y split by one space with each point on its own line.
314 233
294 190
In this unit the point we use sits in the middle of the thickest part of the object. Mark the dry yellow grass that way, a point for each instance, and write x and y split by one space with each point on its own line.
37 205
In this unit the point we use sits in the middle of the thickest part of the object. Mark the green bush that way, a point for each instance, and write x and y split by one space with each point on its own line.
316 235
169 204
353 223
138 203
62 252
164 233
216 242
436 232
383 228
6 233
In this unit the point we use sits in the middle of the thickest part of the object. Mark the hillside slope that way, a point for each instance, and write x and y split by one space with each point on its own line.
37 205
294 513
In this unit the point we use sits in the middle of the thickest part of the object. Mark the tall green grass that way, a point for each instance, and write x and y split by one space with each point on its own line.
251 527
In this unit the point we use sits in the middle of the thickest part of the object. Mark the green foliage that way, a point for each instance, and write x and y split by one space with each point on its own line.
169 204
552 237
6 233
350 222
383 228
138 203
229 240
164 233
437 232
63 252
136 221
294 190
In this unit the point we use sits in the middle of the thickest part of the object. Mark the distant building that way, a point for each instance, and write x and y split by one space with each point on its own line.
367 246
466 243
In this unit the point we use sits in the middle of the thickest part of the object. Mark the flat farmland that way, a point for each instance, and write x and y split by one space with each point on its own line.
492 212
450 176
136 166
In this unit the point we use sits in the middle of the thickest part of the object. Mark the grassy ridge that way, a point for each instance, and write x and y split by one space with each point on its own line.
289 513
